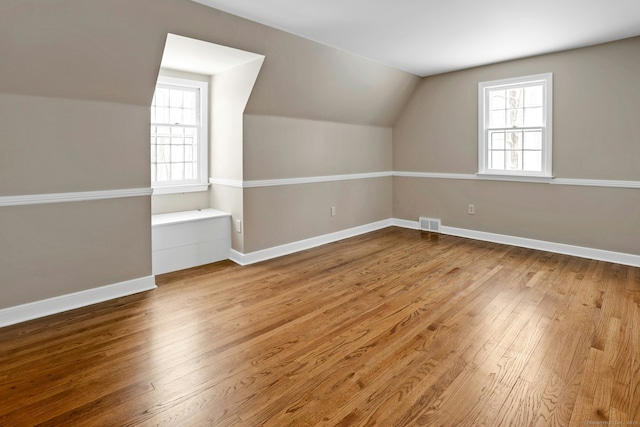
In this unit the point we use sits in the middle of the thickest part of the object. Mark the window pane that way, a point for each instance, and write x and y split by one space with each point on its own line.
163 172
513 160
532 161
533 140
514 118
497 140
497 99
162 115
188 153
533 96
189 117
161 97
497 119
496 160
177 171
514 140
177 131
175 98
177 153
153 172
175 116
189 171
163 153
533 116
514 98
190 99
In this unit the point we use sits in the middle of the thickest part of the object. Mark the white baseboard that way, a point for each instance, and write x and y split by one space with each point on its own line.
289 248
405 223
560 248
236 256
34 310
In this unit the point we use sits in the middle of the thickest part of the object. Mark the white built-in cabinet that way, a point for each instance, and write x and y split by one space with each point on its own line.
187 239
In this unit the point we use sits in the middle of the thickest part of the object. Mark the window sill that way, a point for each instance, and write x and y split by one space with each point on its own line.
515 178
175 189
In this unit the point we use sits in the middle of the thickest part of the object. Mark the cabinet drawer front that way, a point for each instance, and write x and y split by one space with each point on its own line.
189 233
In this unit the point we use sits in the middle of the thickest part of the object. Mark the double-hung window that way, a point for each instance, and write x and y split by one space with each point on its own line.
515 126
179 136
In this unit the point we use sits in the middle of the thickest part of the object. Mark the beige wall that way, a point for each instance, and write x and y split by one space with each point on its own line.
56 145
82 49
56 249
53 145
592 217
596 135
281 147
284 214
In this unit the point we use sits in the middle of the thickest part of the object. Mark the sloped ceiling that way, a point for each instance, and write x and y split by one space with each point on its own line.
197 56
112 50
427 37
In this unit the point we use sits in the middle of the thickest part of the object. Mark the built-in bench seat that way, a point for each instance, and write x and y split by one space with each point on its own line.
190 238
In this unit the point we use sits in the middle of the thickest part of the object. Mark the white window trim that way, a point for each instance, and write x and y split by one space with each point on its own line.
547 151
202 183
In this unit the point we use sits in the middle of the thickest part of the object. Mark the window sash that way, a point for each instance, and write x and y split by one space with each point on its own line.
487 153
172 158
180 159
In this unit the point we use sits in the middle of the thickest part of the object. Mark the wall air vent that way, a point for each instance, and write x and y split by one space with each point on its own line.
430 224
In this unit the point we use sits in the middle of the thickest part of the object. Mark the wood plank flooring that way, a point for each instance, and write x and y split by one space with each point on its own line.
392 328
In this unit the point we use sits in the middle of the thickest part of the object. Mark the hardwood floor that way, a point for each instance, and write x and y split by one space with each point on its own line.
392 328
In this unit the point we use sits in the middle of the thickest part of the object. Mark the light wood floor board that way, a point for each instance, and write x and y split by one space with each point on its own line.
392 328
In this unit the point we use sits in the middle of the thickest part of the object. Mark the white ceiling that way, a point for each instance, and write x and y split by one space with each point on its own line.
428 37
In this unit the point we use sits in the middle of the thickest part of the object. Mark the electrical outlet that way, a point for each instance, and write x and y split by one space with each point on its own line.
238 226
471 210
333 211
